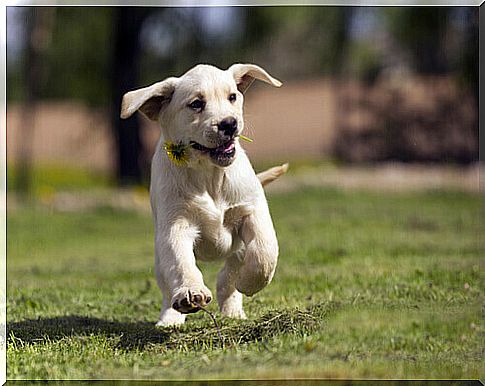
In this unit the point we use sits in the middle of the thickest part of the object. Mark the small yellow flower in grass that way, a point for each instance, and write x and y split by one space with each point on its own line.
177 153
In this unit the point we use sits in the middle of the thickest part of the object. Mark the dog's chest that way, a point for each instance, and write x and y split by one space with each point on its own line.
218 223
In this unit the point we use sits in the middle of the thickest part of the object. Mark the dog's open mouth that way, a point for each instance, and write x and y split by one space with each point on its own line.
222 155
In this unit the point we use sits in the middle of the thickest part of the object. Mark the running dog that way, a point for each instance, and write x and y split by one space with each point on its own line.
206 199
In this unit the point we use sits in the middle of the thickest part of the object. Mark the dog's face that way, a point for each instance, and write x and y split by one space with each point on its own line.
205 111
203 108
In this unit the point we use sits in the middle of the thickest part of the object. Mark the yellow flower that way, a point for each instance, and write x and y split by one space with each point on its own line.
177 153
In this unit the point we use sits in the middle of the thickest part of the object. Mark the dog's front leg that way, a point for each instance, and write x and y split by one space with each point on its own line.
261 254
178 277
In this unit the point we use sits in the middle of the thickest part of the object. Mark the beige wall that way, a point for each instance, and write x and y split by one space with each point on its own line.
293 121
63 132
298 120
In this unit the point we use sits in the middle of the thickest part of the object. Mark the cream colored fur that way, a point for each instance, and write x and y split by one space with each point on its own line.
202 210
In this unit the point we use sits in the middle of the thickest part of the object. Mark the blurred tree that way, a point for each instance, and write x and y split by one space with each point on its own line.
39 25
124 77
78 57
315 39
421 32
96 54
175 39
467 61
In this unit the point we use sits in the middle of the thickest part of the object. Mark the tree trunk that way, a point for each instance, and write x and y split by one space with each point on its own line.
125 68
39 24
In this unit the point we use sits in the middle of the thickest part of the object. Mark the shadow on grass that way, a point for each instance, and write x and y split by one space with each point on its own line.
137 335
130 334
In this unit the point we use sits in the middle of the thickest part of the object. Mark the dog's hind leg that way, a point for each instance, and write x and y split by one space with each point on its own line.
229 298
272 174
261 252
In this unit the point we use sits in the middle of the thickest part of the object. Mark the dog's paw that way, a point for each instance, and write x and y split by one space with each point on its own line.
170 317
187 299
233 312
231 306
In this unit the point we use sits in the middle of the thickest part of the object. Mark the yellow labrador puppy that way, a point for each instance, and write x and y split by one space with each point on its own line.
207 201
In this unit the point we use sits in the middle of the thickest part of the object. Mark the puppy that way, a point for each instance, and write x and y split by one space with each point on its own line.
207 202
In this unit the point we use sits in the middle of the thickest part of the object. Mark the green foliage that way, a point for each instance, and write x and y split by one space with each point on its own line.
428 23
311 41
434 43
80 55
315 37
76 63
368 285
366 62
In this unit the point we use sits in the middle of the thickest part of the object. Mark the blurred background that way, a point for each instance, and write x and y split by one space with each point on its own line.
370 93
377 218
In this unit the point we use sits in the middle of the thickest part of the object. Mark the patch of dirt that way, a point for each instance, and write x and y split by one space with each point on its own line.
392 177
382 177
419 119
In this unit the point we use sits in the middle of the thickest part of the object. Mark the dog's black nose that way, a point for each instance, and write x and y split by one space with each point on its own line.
228 125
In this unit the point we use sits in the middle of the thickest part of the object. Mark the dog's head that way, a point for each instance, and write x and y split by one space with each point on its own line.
202 109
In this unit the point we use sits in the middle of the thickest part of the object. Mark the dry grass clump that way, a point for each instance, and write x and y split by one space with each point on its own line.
138 335
280 322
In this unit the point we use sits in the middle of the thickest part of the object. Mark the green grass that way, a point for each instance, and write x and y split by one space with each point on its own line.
369 285
48 178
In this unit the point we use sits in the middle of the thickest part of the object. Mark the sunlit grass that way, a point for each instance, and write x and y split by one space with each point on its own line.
48 178
368 285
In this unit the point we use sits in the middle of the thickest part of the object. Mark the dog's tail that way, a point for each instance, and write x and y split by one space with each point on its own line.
272 174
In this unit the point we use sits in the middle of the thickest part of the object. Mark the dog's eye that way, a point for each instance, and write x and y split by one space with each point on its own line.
197 104
232 98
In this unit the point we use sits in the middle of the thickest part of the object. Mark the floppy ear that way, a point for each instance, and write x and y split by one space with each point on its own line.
149 100
245 74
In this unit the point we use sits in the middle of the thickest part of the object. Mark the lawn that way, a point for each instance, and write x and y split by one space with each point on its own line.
369 285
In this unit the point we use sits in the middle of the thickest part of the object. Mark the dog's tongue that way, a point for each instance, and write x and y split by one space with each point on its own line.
226 148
